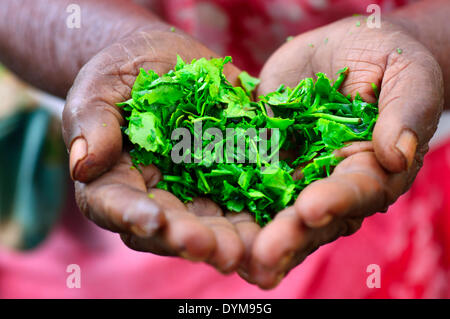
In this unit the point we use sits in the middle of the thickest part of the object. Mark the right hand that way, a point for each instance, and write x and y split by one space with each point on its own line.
115 196
374 174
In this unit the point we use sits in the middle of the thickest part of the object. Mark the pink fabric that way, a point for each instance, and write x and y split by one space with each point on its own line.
411 243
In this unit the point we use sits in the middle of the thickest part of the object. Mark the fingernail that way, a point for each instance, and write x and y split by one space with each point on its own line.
407 145
77 153
278 279
243 273
229 267
140 231
225 269
324 220
284 261
188 256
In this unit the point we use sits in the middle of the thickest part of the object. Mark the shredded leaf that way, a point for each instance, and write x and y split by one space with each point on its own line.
248 82
309 122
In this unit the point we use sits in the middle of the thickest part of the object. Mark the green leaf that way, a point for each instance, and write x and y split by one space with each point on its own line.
335 134
143 81
145 130
248 82
162 94
278 183
323 85
277 122
180 63
238 104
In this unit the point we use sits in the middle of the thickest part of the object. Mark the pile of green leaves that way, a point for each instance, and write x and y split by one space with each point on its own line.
313 119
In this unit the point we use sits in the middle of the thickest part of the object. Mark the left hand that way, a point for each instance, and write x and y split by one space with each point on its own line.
374 174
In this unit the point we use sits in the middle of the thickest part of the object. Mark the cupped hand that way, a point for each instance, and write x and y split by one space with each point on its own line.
374 174
122 199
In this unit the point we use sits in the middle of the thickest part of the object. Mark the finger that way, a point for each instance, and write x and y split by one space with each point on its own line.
360 186
118 201
353 148
267 270
229 249
91 126
155 244
202 206
247 230
232 74
274 248
166 200
151 174
350 149
97 136
410 104
210 238
185 234
312 239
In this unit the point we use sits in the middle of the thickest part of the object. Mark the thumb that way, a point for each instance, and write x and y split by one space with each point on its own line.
91 130
410 104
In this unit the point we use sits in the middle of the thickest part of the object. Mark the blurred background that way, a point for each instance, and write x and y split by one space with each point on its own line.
33 163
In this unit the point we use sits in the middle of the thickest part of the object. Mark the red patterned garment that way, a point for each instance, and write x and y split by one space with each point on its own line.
410 243
250 30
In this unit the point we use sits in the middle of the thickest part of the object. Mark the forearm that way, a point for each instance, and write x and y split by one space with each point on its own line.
37 44
428 22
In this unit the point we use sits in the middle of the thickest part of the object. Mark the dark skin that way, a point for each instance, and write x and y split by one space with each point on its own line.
372 178
114 196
